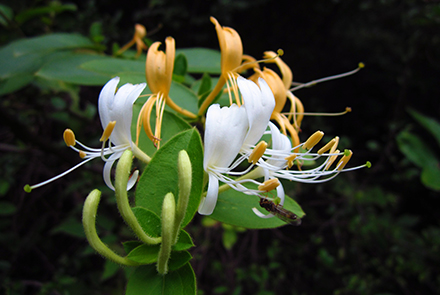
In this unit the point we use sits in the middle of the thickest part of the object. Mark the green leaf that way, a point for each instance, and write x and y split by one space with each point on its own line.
178 259
15 83
171 125
112 66
161 177
6 15
7 208
415 149
110 269
146 280
144 253
54 7
149 221
131 245
180 68
184 242
68 68
202 60
229 238
431 175
205 84
430 124
70 226
46 44
184 97
235 208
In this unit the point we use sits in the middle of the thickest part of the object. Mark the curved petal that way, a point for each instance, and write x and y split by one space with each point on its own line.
105 101
122 112
280 142
106 172
208 203
225 129
259 103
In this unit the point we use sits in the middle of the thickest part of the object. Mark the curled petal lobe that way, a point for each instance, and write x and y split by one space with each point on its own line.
208 203
105 100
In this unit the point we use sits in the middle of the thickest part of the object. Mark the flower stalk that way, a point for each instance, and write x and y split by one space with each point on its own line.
122 178
89 223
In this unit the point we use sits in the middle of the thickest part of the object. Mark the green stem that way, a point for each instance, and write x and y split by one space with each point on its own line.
89 224
122 173
138 153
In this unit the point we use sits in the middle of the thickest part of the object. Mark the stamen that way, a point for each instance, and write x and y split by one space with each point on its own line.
257 152
313 140
328 146
347 110
82 154
69 137
108 131
314 82
269 185
290 159
238 69
331 160
344 160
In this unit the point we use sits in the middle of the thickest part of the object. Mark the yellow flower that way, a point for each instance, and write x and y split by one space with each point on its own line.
139 33
159 73
231 57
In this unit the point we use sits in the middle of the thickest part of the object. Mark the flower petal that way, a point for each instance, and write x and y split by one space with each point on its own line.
105 101
259 103
208 203
225 129
122 112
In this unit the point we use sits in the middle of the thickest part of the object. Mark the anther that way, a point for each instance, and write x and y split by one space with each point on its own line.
82 154
328 146
344 160
313 140
257 152
290 159
69 137
108 131
269 185
361 65
331 159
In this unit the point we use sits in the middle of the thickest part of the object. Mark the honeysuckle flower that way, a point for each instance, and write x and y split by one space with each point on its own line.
231 49
115 111
159 73
280 88
240 128
139 33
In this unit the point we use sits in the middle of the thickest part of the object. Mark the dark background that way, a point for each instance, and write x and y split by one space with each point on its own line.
372 231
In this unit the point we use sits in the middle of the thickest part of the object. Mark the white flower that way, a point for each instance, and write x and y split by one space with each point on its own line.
115 111
230 131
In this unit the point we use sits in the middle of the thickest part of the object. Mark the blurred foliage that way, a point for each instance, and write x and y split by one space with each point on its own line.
367 232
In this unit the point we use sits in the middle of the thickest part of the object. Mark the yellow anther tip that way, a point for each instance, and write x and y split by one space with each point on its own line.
69 137
348 109
108 131
269 185
361 65
82 154
313 140
368 164
257 152
27 188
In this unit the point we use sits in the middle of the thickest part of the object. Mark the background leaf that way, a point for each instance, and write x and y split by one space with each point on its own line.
146 280
235 208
